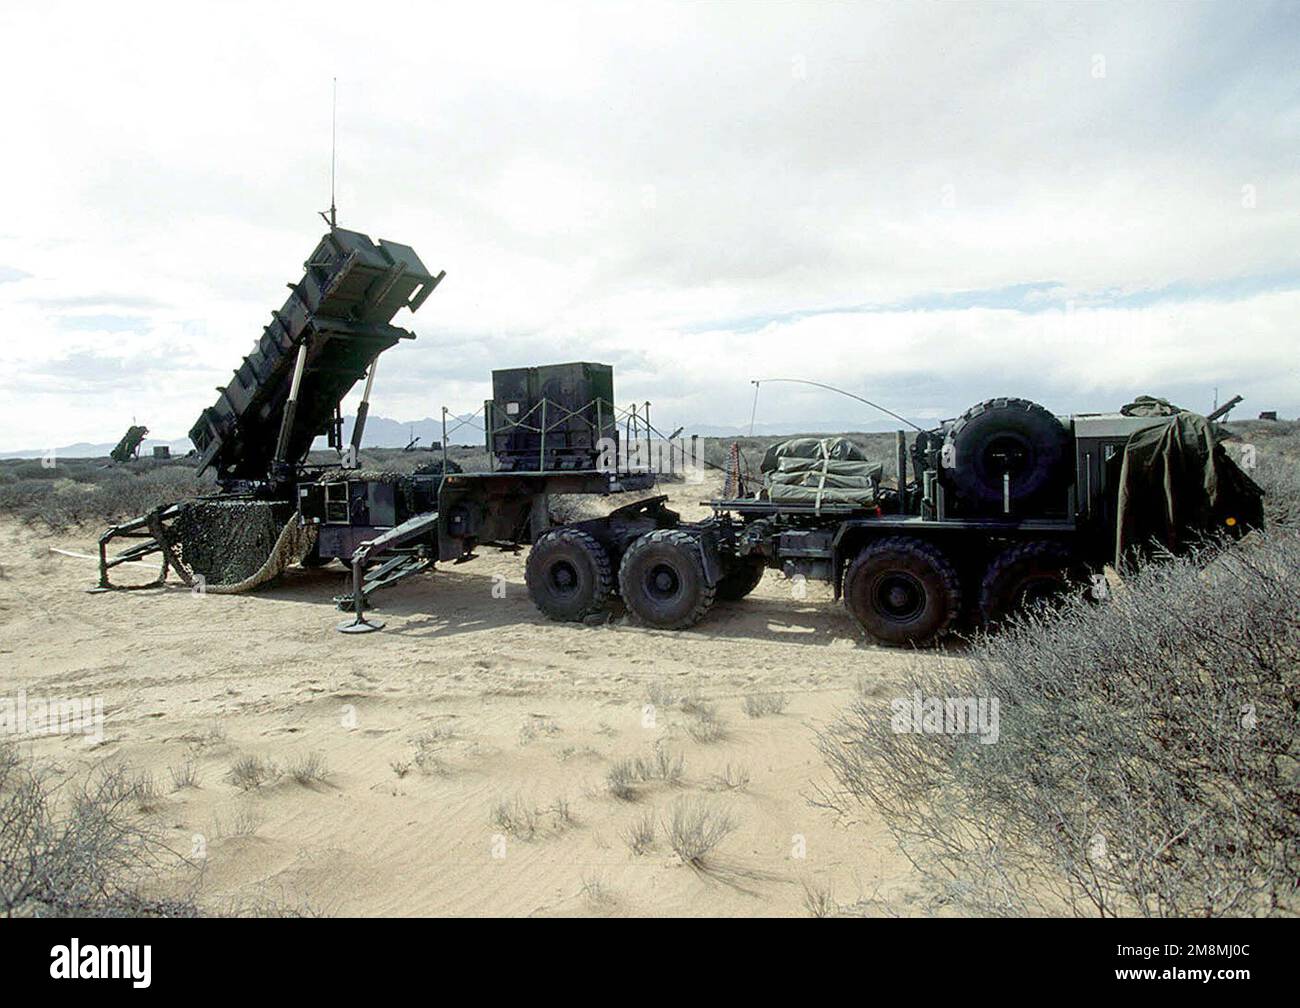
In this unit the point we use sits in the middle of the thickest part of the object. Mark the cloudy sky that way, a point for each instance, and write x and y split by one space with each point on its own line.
927 205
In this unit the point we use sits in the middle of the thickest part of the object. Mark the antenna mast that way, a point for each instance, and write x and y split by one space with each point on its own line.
332 218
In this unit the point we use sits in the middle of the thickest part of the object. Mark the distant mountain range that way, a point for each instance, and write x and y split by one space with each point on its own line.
382 432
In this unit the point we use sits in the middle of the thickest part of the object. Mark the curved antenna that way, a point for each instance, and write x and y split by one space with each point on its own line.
829 388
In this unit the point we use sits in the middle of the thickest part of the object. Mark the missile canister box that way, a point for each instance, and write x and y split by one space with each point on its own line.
551 417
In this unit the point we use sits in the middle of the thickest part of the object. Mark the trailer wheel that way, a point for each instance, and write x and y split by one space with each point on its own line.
741 578
662 580
903 591
1027 576
568 575
1000 436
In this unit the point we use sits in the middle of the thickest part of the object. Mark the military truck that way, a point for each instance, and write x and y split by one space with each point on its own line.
1008 507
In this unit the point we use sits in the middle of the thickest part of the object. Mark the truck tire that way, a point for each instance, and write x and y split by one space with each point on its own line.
1001 435
662 580
1027 575
741 578
568 575
903 591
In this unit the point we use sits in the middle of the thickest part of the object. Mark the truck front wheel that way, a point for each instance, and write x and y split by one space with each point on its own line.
903 591
662 580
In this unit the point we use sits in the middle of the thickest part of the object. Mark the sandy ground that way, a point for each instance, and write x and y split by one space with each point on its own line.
467 700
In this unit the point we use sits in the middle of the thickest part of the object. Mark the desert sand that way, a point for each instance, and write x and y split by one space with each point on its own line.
468 701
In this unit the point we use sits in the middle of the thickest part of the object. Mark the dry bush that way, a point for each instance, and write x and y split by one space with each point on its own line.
706 729
310 770
759 705
248 773
186 775
660 695
515 817
89 492
1146 762
661 765
596 890
732 778
695 827
1281 484
818 901
568 508
80 851
560 812
622 780
429 747
537 724
698 707
641 834
703 723
246 821
145 792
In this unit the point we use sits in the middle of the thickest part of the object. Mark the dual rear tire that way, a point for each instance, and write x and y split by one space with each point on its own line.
1028 577
569 576
661 578
906 592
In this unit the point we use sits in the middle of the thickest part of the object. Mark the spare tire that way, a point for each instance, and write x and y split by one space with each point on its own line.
1001 436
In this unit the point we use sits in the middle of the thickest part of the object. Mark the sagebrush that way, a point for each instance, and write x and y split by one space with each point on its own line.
1146 762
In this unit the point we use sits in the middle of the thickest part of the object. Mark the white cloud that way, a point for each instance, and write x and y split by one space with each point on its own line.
673 188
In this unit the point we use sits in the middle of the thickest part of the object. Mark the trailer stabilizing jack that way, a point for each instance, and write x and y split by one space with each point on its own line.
402 563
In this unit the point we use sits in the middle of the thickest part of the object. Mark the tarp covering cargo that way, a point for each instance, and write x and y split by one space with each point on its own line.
1150 406
819 471
1176 483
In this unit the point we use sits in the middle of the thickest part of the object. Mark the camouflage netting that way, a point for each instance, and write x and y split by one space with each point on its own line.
820 471
236 545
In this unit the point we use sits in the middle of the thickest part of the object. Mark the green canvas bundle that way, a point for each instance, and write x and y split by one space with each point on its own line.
820 471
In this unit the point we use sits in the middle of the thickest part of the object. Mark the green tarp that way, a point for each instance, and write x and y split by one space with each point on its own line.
1151 406
819 471
1177 483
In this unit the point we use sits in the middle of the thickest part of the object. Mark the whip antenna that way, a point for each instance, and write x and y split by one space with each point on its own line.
332 217
829 388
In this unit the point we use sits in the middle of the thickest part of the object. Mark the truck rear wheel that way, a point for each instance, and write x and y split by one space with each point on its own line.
662 580
903 591
568 575
1027 576
741 578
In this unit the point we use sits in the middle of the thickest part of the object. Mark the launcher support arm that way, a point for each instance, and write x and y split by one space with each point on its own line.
359 427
